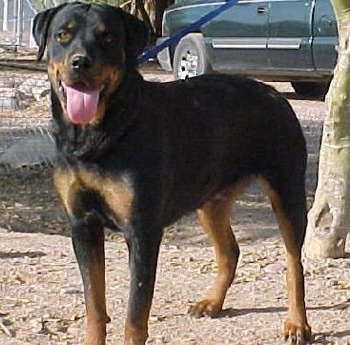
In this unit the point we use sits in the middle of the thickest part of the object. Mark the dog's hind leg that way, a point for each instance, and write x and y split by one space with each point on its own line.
287 196
214 216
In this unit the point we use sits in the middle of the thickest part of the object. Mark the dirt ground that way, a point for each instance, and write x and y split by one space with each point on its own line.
41 298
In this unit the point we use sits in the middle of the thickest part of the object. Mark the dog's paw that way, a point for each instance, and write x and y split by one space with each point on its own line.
206 307
297 335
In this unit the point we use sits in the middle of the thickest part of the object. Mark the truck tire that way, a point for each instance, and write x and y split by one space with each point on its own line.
190 57
310 89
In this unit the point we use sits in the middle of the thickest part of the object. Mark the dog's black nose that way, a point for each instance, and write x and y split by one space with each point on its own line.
80 62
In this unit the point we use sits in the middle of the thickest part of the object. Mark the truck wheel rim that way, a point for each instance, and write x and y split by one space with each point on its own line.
188 66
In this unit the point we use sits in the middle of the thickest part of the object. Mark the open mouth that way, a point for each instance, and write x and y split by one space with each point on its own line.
81 101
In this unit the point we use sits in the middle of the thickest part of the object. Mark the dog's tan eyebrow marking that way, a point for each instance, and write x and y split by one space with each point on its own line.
70 25
101 27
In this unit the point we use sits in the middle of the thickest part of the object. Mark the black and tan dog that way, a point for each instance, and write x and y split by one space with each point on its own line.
136 156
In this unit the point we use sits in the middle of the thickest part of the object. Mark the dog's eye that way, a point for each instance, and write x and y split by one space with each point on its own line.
107 39
63 36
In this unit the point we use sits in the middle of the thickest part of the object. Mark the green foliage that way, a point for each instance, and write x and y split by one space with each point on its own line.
40 5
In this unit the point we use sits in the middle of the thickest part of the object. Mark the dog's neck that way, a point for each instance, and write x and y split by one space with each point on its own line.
84 143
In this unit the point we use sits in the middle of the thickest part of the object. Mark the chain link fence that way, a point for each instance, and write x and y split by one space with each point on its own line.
16 18
15 23
25 139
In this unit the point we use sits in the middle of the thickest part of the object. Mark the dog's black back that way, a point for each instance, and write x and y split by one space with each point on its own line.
213 131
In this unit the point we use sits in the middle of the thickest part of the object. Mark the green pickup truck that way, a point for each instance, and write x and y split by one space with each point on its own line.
275 40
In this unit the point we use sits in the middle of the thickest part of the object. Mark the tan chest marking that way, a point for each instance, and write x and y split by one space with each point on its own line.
116 192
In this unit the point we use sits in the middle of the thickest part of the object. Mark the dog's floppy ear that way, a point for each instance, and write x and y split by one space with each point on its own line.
137 36
41 27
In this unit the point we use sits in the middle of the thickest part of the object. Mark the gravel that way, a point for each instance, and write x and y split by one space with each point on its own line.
41 297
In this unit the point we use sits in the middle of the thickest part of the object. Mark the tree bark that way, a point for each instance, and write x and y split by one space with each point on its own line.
329 217
151 12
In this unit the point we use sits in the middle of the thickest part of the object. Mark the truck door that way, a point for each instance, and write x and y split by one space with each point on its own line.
237 38
325 36
289 35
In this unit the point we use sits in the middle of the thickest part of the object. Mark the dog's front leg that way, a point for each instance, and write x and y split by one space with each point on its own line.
88 243
143 256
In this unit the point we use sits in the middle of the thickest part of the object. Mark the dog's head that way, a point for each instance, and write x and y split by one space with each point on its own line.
89 47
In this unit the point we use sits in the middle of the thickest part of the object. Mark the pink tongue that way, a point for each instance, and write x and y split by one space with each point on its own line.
81 103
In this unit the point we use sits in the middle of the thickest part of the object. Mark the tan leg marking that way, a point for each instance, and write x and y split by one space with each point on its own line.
95 300
296 327
215 219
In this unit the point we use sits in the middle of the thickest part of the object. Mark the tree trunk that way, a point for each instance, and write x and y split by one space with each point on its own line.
155 10
151 12
329 217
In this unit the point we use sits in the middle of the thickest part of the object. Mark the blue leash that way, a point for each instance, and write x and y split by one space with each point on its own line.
183 32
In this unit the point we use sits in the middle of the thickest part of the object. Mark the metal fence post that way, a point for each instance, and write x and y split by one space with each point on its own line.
5 17
19 23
